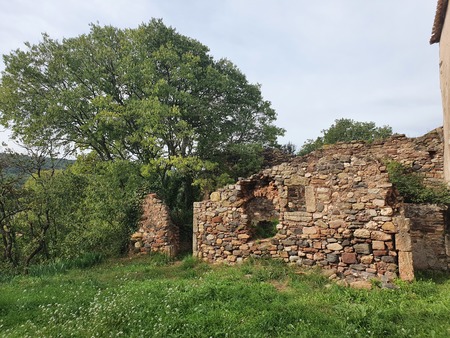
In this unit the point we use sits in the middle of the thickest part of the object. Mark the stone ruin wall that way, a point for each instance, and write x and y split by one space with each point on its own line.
335 208
429 239
156 232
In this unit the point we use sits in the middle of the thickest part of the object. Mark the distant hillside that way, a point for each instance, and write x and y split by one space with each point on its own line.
12 164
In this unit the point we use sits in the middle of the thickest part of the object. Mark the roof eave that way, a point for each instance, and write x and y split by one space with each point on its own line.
439 20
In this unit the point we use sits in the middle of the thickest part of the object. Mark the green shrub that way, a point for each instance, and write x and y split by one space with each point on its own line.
410 185
189 262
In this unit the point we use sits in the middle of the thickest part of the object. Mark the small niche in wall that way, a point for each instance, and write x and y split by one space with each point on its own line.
296 197
264 229
262 218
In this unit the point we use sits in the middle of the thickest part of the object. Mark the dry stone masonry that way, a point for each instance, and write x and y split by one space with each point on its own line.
429 236
156 233
334 208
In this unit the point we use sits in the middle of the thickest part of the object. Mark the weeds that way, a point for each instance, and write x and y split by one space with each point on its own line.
59 266
411 186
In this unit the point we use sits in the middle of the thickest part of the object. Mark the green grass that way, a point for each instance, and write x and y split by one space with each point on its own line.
155 297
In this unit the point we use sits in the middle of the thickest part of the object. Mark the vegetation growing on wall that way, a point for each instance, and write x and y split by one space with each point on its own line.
411 186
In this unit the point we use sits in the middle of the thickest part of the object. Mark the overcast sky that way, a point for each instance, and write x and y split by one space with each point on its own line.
316 61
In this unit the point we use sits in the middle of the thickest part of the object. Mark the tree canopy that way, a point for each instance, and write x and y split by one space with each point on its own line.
346 130
146 93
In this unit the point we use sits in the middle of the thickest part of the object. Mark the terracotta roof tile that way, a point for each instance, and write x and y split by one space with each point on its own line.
439 21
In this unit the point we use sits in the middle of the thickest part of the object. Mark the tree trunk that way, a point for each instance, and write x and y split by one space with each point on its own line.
33 254
42 242
8 243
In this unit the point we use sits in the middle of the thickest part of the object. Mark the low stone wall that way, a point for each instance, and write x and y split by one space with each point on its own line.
334 208
156 233
335 213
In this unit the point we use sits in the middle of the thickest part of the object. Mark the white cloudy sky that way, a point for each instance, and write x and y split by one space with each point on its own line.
316 61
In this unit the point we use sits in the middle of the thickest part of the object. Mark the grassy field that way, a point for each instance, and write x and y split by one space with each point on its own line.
150 297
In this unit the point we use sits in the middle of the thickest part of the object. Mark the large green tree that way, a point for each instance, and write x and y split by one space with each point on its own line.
146 93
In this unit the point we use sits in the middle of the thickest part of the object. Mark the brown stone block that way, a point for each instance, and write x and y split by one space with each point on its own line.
358 206
337 224
389 245
403 241
379 202
317 245
310 199
387 211
215 196
318 256
327 232
334 247
362 248
321 224
367 259
137 236
296 180
378 253
381 236
310 230
244 247
378 245
323 197
389 227
405 265
403 224
362 233
294 217
349 258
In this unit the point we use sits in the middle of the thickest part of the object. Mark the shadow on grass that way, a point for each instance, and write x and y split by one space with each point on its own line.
438 277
